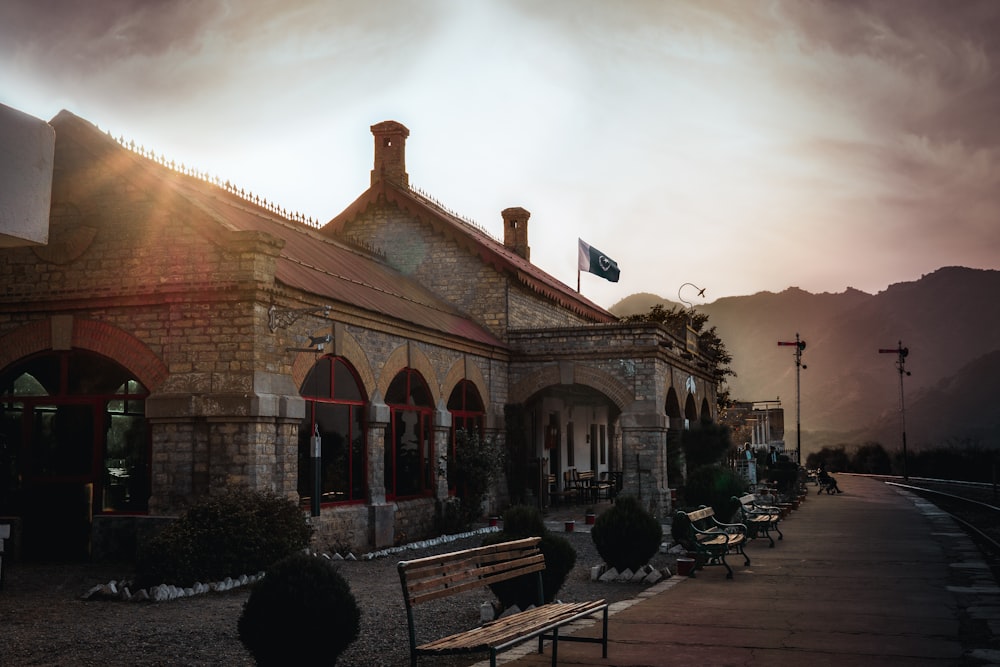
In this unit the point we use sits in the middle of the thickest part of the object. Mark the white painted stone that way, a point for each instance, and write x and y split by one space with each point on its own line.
611 574
652 577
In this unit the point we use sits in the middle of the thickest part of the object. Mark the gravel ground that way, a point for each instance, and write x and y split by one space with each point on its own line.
44 621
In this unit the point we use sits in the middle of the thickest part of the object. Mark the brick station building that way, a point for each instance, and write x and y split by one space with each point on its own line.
177 337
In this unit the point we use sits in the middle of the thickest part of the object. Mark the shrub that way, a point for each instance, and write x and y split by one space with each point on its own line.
524 521
714 486
301 612
626 535
475 467
240 532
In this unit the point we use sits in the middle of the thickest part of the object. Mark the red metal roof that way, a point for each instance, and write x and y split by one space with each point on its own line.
309 260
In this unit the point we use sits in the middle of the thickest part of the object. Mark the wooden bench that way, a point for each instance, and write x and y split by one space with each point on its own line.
760 519
711 539
435 577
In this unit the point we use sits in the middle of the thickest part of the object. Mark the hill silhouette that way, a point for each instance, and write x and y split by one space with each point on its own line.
850 393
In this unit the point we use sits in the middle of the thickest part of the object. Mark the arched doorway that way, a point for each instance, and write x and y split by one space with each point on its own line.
73 443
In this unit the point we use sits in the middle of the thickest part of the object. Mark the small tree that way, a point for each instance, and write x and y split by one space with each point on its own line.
705 445
473 471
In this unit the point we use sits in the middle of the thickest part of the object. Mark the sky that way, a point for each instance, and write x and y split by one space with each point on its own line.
737 146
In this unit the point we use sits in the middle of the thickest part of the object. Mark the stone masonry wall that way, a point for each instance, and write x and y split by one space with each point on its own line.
437 262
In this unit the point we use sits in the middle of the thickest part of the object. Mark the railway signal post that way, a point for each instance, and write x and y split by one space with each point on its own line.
799 346
901 354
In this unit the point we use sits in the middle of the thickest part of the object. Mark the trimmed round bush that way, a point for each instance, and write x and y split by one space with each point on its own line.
626 535
302 612
525 521
240 532
714 486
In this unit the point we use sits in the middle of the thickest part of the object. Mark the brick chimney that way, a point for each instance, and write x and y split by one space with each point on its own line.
515 231
390 153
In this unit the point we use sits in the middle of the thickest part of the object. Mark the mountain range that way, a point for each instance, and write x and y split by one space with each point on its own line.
850 392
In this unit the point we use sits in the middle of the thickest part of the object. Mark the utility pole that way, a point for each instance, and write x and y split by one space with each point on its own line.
901 354
799 346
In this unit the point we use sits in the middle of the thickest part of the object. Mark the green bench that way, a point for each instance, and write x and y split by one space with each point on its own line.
712 540
760 519
435 577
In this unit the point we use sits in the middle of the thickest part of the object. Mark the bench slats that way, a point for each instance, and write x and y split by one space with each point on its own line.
513 628
431 589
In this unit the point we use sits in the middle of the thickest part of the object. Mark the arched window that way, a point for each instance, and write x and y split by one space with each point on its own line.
335 403
467 414
408 467
73 442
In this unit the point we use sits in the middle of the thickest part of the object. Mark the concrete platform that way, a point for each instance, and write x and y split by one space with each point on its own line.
873 576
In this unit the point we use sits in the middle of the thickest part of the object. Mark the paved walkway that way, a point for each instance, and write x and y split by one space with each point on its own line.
873 576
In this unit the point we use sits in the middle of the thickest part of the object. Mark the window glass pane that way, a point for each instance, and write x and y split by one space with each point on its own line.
358 454
317 382
410 451
91 374
36 377
345 384
62 440
126 485
420 395
397 394
473 402
335 429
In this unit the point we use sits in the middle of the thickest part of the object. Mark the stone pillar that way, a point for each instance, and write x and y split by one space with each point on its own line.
381 514
286 455
441 450
644 460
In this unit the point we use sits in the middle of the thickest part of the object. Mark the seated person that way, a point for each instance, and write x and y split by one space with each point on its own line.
826 481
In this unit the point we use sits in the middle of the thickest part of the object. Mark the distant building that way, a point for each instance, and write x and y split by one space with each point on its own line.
179 336
757 427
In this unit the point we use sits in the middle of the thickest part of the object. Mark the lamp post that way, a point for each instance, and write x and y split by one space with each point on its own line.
901 354
799 346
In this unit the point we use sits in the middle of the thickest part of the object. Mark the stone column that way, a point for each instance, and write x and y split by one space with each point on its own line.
441 450
644 460
381 514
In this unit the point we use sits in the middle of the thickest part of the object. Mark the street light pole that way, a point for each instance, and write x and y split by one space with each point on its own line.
901 354
799 346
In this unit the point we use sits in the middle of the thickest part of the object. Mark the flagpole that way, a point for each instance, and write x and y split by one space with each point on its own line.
578 279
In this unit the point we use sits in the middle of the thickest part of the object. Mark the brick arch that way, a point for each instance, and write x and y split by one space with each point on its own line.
588 376
409 356
347 348
91 335
463 369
